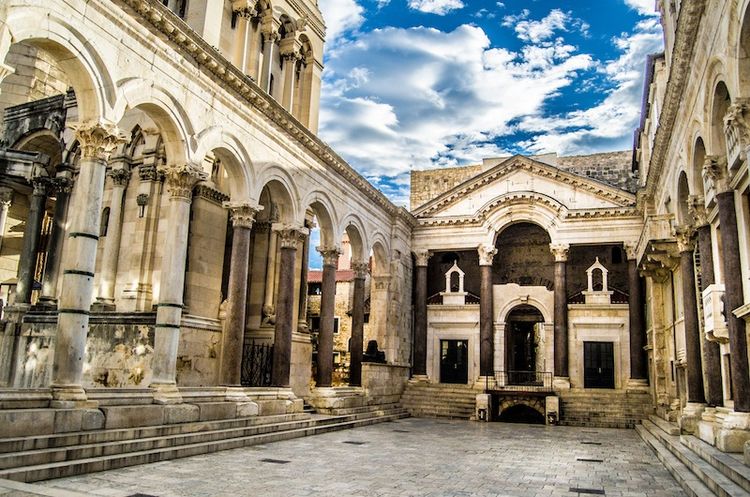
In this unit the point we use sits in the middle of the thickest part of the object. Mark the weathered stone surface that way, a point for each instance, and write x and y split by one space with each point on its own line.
181 413
247 409
132 416
216 410
93 419
26 422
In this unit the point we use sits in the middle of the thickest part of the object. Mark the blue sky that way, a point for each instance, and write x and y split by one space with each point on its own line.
414 84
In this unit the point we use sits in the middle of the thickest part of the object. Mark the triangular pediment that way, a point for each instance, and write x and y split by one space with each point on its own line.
520 179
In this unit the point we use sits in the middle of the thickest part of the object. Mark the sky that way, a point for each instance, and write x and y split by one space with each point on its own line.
417 84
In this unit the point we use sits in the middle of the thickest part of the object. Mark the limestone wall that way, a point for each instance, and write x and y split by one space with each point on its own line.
384 383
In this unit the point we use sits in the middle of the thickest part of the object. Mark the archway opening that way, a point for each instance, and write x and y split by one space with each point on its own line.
523 257
521 413
523 336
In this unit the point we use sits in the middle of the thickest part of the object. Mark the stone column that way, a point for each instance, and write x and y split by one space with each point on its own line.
270 35
638 365
712 380
62 185
486 352
560 251
180 180
288 237
6 196
302 310
31 235
97 141
110 258
269 308
290 57
327 311
230 370
358 323
420 315
733 297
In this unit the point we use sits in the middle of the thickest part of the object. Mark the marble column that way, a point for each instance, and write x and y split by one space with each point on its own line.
180 180
6 197
270 36
486 352
31 236
358 323
233 337
733 297
327 312
62 186
110 257
288 237
686 247
302 309
638 364
420 314
560 251
97 141
712 381
269 307
289 69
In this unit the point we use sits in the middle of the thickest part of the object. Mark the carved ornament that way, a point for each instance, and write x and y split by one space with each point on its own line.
120 176
243 213
182 178
330 255
6 196
685 236
486 254
360 269
560 251
289 235
422 257
41 186
715 173
97 140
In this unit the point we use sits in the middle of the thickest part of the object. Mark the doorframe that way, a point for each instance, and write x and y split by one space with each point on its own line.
614 372
614 330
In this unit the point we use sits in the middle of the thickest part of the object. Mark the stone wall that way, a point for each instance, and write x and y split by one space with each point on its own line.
384 383
427 185
612 168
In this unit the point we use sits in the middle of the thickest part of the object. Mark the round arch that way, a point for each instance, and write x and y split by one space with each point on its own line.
283 191
380 266
543 212
720 99
517 303
325 212
233 155
354 229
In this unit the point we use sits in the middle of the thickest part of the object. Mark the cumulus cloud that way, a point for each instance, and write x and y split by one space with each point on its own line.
439 7
341 16
644 7
536 31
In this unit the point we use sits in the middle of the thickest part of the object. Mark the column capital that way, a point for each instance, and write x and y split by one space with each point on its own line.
697 210
182 178
486 254
330 255
245 8
289 235
360 269
62 184
243 213
685 238
6 196
41 185
423 256
715 172
560 251
631 251
97 139
147 172
735 118
120 176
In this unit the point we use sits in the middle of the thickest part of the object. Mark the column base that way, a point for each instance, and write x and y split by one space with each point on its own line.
236 394
561 383
166 393
482 408
419 378
484 382
70 397
45 304
103 305
708 426
734 432
331 400
690 417
637 385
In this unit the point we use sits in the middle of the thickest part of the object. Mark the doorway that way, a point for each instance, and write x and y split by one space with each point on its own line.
454 361
598 365
523 357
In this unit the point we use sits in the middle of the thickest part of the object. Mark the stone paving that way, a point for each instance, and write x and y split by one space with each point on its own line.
410 457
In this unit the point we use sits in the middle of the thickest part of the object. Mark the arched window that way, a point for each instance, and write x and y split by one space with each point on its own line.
105 222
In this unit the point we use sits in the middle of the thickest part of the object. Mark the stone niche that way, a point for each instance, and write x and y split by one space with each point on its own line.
598 320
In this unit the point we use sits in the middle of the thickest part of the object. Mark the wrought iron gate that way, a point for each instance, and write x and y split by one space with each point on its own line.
257 361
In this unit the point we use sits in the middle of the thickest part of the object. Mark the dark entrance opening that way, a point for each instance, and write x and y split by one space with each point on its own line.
598 365
454 361
522 335
521 413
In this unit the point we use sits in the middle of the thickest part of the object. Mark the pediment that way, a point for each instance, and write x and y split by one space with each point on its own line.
520 179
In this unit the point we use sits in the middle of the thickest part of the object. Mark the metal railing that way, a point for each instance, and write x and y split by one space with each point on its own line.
257 361
520 381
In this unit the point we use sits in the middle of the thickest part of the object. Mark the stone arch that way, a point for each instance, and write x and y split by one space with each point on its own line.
282 190
720 101
325 212
682 193
354 229
174 124
380 259
698 157
535 403
75 54
504 312
230 150
543 214
742 37
42 140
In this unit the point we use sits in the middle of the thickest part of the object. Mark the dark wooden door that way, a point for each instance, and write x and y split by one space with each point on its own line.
454 361
598 365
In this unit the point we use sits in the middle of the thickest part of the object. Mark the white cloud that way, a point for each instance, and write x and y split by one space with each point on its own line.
644 7
341 16
538 31
439 7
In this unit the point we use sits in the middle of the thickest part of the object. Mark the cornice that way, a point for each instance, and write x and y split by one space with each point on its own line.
536 168
162 20
691 12
211 194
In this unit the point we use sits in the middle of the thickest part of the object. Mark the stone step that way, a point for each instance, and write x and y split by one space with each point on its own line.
729 465
705 473
317 425
664 425
366 409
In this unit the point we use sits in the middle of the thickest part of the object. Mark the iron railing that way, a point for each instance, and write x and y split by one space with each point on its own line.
257 361
520 381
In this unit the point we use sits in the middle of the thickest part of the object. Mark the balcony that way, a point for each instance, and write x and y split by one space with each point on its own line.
520 381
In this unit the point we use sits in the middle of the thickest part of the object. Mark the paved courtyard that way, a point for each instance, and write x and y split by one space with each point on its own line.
410 457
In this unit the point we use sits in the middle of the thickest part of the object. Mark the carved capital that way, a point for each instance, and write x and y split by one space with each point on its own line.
120 176
560 251
422 256
289 235
685 236
631 250
6 196
97 140
715 173
243 213
245 8
62 184
486 254
360 269
148 172
735 118
182 178
40 185
697 210
330 255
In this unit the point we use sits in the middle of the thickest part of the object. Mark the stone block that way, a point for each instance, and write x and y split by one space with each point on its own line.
181 413
67 420
295 406
272 407
210 411
93 419
747 453
732 440
247 409
26 422
133 416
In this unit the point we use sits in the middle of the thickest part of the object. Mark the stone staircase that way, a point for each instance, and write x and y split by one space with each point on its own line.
701 469
439 400
41 457
604 409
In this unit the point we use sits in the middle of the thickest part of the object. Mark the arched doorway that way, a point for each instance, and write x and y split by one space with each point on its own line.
521 413
523 336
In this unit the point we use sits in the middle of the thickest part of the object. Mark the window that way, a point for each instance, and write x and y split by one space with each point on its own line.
314 288
336 325
105 222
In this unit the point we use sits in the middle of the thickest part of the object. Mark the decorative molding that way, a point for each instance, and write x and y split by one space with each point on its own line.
242 213
97 140
685 236
120 176
211 194
182 178
486 254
